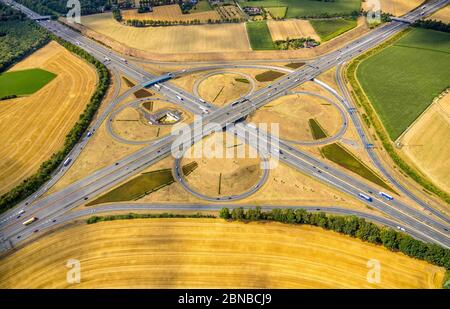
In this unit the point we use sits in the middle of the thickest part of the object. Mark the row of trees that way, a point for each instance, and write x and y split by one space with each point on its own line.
164 23
95 219
432 24
55 7
296 43
33 183
352 226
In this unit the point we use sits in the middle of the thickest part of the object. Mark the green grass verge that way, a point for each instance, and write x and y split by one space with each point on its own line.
309 8
316 129
142 93
328 29
24 82
276 11
361 100
142 185
259 36
341 156
129 216
295 65
268 76
242 80
402 80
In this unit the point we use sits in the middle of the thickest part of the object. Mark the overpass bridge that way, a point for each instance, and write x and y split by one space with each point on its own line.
403 20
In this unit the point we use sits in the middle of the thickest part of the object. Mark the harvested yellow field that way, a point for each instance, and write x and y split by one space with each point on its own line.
442 15
33 128
174 39
394 7
224 88
209 253
427 143
293 29
170 13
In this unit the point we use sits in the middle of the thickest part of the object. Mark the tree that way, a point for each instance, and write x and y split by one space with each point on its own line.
238 214
225 213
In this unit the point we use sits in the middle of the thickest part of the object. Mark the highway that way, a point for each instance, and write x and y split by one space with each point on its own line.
50 208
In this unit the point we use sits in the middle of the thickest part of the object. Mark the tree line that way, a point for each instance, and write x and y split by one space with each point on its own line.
95 219
432 24
165 23
45 171
351 226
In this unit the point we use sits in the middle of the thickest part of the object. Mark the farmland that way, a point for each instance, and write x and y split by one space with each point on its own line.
26 82
173 39
427 143
259 35
209 253
171 13
442 15
307 8
328 29
292 29
395 7
50 113
229 12
402 80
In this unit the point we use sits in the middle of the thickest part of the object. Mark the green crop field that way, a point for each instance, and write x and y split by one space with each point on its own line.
201 6
276 11
141 185
309 8
402 80
328 29
25 82
259 35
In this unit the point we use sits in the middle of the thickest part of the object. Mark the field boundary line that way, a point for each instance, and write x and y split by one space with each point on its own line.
433 104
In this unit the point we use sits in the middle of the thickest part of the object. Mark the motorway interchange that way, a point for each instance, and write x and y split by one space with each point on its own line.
53 209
